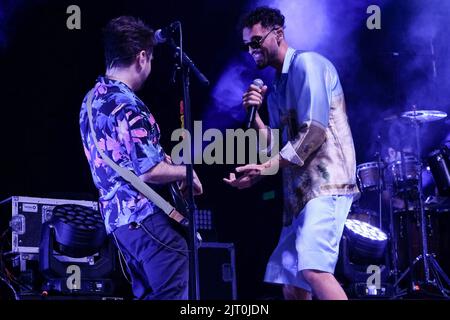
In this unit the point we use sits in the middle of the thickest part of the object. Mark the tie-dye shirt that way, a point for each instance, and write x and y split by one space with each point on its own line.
307 105
129 135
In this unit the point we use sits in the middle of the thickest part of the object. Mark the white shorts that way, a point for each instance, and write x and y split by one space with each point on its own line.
310 242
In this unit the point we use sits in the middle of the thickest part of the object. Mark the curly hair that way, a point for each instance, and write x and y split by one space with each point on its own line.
123 38
268 17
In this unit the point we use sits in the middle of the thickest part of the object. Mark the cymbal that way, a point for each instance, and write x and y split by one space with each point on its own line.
424 115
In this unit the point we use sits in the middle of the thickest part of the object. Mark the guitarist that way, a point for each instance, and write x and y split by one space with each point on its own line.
152 244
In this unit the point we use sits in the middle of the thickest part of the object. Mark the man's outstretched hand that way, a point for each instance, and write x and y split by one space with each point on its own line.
251 174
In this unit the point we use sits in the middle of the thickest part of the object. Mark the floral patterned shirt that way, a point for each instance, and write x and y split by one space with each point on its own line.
129 135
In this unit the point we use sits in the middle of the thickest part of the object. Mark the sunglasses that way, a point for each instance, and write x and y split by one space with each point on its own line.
256 42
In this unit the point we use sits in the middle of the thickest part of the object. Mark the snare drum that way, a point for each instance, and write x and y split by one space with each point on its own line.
368 176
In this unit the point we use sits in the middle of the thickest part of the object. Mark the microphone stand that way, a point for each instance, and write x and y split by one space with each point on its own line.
380 183
185 65
382 186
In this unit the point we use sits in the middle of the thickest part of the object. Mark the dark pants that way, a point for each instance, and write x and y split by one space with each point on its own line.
157 271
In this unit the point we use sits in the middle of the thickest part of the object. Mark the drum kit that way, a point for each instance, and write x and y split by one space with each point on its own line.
411 222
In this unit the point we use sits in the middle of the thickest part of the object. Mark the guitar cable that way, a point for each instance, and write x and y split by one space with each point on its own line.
119 250
151 235
122 259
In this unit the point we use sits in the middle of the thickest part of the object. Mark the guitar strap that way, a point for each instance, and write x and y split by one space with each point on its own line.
131 177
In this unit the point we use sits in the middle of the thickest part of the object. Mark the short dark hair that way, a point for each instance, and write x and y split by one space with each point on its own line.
268 17
123 38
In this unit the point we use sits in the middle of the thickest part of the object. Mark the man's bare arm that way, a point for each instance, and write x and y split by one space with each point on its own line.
163 173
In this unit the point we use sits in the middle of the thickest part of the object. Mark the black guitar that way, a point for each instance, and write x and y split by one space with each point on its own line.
180 203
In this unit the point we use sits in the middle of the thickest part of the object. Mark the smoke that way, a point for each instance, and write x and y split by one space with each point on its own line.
426 19
316 25
3 23
307 21
426 70
378 83
9 11
225 109
428 38
322 25
226 93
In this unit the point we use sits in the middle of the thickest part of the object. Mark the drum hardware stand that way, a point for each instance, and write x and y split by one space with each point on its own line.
429 261
393 243
380 182
381 187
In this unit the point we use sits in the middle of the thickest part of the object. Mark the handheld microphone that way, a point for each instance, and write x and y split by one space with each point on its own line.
163 34
252 109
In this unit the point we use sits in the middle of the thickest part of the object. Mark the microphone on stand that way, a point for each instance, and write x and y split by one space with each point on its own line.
252 109
164 34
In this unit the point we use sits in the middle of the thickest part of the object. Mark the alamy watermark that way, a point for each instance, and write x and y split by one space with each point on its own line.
373 282
74 20
73 281
374 21
237 145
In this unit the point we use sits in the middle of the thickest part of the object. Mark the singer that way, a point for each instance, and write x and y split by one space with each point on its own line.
307 105
152 244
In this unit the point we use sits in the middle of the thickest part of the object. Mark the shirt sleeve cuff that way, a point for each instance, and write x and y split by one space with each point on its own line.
288 153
